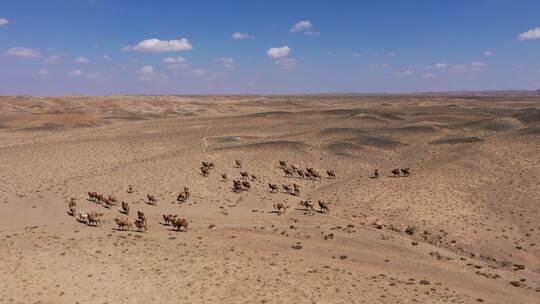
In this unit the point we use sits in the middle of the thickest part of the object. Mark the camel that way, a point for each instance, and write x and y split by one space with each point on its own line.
323 206
307 204
130 189
140 225
110 201
100 198
238 163
94 218
209 165
282 163
273 187
301 173
83 217
287 188
253 177
296 190
141 216
280 207
244 174
92 196
376 174
184 196
169 218
224 177
123 223
331 174
395 172
313 174
72 206
125 208
288 172
205 171
180 224
237 185
406 172
246 185
151 199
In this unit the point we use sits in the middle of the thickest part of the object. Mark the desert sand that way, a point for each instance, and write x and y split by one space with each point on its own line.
464 227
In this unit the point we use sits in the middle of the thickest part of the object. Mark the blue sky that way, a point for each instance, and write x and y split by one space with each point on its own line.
101 47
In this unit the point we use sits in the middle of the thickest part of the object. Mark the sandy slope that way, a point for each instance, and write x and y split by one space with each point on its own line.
473 198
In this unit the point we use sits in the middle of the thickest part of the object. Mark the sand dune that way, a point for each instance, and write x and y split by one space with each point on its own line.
462 228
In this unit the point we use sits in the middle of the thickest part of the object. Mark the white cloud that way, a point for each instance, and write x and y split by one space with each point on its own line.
429 75
147 72
440 65
403 73
156 46
178 59
488 53
81 60
93 76
478 64
200 72
53 59
3 21
301 26
227 62
312 33
391 54
356 55
23 52
458 68
530 34
278 52
106 57
242 36
43 72
286 63
75 73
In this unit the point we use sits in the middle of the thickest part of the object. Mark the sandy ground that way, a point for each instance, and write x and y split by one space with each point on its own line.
471 203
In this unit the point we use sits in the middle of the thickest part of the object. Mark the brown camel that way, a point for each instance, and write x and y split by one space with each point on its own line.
395 172
181 224
295 190
323 206
280 207
307 204
238 163
331 174
125 208
287 188
205 171
169 218
93 218
72 206
123 223
151 200
140 225
141 216
406 172
273 188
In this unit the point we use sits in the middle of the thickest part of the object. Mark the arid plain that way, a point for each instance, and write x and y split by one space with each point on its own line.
464 227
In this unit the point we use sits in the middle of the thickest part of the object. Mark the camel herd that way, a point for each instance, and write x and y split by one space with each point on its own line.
93 218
